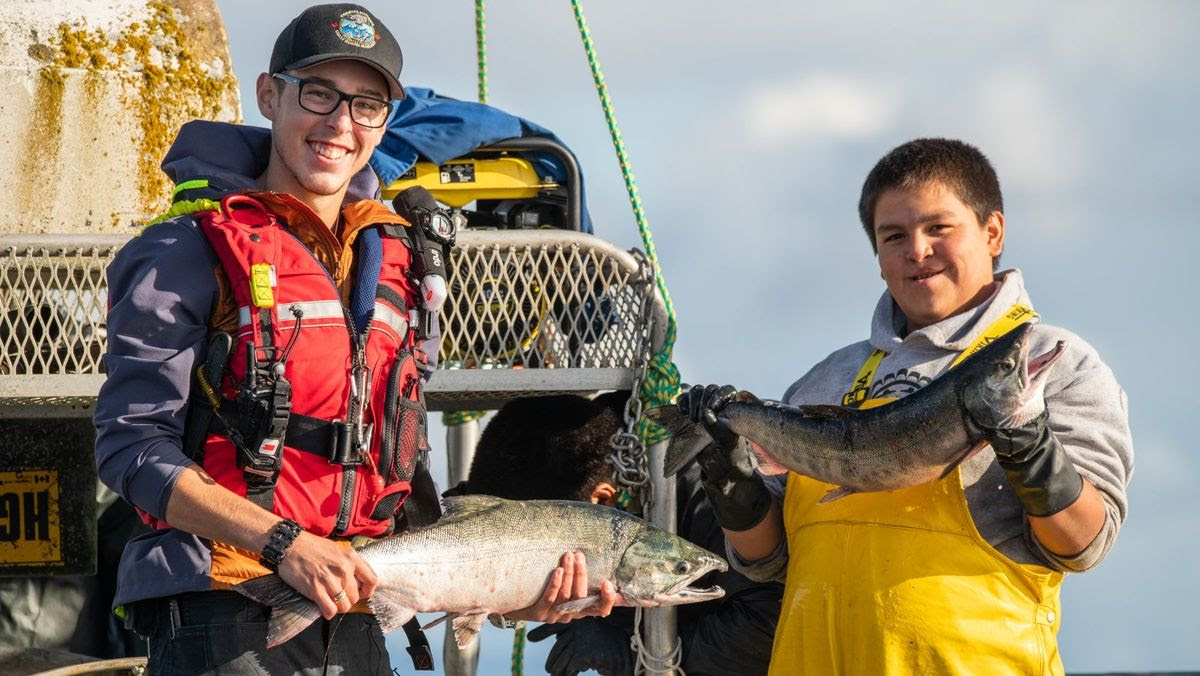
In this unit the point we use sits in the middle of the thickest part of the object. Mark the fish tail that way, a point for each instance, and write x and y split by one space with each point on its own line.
291 613
687 438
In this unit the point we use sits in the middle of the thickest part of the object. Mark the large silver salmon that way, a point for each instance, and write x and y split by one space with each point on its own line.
487 555
917 439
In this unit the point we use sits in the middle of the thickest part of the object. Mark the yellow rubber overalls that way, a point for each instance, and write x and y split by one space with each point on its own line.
901 582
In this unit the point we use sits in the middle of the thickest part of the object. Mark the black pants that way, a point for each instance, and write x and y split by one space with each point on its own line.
223 632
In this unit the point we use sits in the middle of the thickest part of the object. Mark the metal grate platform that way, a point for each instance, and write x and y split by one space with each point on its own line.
530 312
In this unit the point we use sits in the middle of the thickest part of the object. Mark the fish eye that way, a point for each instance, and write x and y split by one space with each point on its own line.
682 567
1007 365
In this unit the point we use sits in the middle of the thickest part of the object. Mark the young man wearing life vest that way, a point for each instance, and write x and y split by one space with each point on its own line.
960 575
267 354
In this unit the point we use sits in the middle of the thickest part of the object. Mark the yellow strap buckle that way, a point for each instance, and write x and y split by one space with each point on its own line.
862 382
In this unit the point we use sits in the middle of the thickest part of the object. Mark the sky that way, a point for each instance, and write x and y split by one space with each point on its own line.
750 127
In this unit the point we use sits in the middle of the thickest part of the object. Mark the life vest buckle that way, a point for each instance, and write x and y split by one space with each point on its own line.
347 450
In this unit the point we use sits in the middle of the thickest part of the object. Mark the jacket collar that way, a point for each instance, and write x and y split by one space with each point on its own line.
953 333
231 156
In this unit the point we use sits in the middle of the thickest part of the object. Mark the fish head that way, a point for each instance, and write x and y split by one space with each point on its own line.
658 567
1009 389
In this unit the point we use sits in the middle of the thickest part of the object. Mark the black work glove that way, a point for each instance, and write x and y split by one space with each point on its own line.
586 643
1037 467
737 493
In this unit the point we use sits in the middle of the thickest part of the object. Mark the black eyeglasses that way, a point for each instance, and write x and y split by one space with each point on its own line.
322 99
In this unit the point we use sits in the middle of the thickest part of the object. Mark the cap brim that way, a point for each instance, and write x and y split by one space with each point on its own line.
396 92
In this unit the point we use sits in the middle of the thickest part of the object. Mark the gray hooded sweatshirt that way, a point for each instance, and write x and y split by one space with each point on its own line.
1087 408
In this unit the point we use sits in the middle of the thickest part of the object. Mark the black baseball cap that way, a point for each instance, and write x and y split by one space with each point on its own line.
339 31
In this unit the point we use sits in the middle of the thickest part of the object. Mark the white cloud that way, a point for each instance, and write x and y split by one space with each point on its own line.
822 105
1034 136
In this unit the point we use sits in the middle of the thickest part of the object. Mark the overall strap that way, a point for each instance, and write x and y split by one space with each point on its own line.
1015 316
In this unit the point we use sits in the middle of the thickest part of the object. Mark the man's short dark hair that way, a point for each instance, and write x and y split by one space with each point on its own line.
547 448
959 166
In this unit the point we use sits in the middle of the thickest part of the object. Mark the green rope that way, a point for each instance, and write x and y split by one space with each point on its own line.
661 383
660 386
481 49
451 418
518 655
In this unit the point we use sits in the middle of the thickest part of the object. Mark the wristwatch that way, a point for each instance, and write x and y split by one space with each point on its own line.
282 536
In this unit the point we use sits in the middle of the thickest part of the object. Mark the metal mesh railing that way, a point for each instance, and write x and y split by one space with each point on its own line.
551 300
529 312
53 300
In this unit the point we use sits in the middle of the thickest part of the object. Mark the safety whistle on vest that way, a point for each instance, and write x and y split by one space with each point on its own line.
262 284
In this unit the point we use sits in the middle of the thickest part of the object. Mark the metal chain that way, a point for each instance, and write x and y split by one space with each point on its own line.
630 468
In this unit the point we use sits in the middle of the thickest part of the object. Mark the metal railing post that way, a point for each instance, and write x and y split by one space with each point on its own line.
660 622
460 448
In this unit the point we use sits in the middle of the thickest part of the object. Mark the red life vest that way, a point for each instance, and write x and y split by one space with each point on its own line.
290 311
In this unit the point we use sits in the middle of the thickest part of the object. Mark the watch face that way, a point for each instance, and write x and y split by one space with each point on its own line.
441 225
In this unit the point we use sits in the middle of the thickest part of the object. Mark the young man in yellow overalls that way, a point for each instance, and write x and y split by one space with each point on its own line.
960 575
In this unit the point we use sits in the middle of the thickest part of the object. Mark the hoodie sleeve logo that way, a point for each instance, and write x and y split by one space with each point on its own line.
356 28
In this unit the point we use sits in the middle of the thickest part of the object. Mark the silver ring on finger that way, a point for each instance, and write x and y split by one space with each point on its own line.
340 596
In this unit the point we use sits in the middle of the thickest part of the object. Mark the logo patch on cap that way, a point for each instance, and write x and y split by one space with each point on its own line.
356 28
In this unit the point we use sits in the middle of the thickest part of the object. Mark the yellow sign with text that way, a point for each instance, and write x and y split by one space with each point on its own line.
29 519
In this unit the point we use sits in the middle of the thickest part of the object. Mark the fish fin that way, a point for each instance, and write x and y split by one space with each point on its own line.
767 464
837 494
970 450
771 468
687 438
389 610
433 623
747 398
466 627
826 411
291 613
578 604
458 506
436 622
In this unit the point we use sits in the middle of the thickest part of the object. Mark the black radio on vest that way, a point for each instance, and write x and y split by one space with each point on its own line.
432 234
